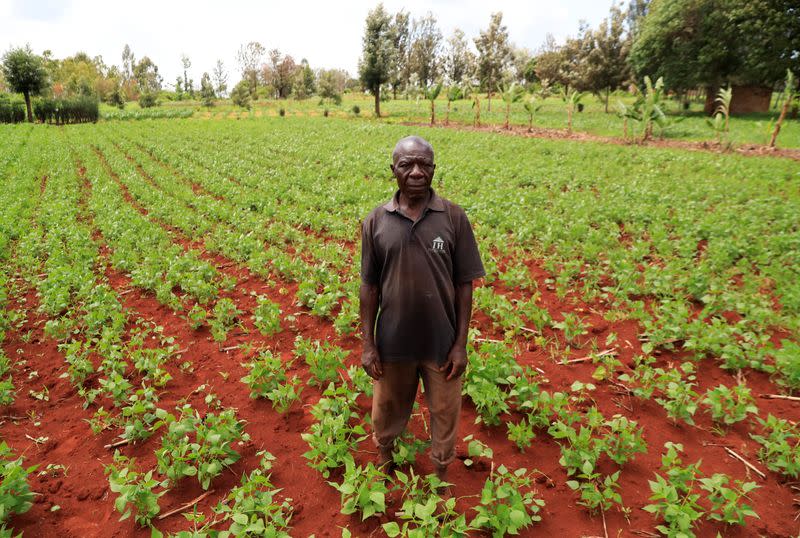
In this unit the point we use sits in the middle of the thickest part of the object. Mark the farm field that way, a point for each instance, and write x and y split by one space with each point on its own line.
180 297
750 129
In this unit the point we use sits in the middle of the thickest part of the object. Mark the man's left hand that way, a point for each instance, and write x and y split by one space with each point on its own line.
456 363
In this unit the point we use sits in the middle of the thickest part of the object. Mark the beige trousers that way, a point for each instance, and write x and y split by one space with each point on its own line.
393 399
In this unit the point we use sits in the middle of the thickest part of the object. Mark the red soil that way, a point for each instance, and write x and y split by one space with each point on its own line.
86 504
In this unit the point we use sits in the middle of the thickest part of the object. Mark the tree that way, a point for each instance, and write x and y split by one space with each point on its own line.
331 84
459 61
188 85
148 81
305 83
279 73
179 88
494 54
24 72
378 55
220 77
524 65
710 43
401 70
607 60
207 90
128 62
637 9
240 96
426 49
249 58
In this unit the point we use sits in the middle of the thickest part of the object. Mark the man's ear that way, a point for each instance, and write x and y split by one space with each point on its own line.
392 168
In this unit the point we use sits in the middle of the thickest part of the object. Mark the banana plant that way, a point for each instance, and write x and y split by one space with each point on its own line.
572 98
532 106
789 94
720 123
511 94
431 93
476 104
454 93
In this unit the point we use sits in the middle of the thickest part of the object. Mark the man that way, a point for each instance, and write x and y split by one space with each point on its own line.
418 261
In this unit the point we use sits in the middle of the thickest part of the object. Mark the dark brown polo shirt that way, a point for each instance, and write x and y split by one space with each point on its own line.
416 266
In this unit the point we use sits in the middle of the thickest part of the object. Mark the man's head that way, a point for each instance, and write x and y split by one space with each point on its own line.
413 166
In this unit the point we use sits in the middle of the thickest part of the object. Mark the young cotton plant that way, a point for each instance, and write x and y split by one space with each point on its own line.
16 496
727 502
363 490
324 360
674 496
730 406
507 504
136 490
424 512
253 507
195 446
780 446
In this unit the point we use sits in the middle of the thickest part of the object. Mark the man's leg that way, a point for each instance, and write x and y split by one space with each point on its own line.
392 401
444 404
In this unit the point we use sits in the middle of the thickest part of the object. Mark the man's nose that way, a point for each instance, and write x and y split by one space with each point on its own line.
416 171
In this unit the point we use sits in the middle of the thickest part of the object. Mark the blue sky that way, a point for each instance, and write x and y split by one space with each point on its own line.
327 33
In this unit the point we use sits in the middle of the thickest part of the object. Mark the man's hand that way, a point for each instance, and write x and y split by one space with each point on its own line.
456 363
371 362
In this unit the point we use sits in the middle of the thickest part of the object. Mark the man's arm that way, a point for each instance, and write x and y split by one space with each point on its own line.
457 357
368 310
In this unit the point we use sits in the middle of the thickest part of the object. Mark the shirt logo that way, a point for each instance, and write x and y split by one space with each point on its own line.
438 244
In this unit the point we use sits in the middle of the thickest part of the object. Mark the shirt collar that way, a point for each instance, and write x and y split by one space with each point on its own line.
435 202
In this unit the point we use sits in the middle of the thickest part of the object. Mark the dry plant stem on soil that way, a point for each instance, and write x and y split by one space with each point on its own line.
187 505
781 397
747 464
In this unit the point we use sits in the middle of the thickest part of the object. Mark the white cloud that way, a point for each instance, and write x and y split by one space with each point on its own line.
327 33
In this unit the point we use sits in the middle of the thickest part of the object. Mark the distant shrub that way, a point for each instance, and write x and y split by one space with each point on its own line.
325 113
282 112
147 100
11 111
356 110
81 109
240 96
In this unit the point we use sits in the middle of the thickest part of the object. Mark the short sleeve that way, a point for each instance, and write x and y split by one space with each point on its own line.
370 274
467 260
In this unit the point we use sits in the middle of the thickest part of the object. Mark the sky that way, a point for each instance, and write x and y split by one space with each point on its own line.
326 33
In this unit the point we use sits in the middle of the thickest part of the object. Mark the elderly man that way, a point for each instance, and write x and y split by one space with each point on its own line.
418 260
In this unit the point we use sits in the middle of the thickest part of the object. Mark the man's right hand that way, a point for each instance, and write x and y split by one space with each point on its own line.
371 362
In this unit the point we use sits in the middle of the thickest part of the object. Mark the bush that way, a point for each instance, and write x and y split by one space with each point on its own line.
325 113
147 100
11 111
81 109
282 112
356 110
240 96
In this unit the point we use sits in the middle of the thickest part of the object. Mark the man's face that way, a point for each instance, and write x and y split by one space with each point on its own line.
413 167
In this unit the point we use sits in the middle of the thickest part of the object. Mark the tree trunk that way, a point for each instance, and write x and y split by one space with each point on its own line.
447 114
608 91
530 122
378 102
433 111
785 109
508 111
28 106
